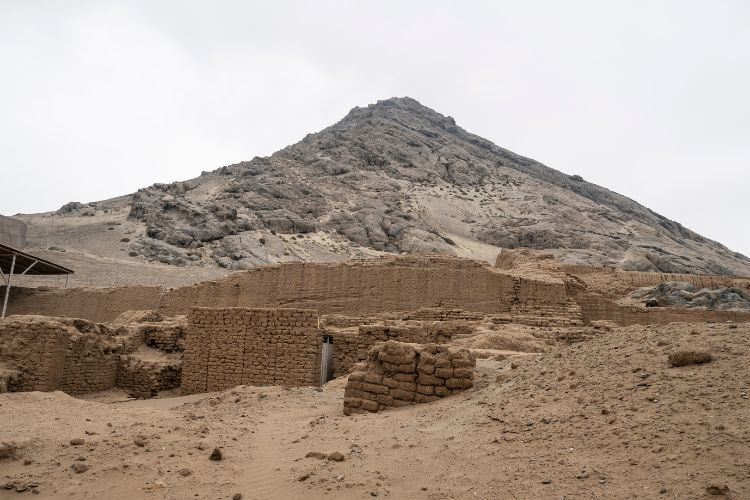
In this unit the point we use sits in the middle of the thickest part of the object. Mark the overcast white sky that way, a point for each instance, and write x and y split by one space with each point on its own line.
648 98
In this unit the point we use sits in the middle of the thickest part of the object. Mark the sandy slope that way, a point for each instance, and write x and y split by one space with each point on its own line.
606 417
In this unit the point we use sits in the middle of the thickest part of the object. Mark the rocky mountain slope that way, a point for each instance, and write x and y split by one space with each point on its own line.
395 176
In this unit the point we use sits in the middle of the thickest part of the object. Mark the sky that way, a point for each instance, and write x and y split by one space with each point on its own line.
650 99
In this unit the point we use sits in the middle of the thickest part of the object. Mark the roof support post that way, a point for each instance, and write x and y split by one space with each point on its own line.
7 286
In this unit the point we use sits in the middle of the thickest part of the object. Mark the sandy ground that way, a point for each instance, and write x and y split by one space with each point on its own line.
607 417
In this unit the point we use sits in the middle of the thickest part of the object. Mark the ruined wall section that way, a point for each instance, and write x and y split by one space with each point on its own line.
165 336
543 303
90 364
641 279
396 374
35 348
618 282
391 285
77 356
100 305
595 308
351 346
361 288
443 314
145 378
353 288
232 346
70 355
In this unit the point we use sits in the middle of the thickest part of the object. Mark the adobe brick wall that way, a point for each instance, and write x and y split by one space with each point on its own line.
637 279
144 379
397 374
443 314
351 347
366 288
597 308
69 355
352 288
232 346
90 364
35 348
40 353
167 337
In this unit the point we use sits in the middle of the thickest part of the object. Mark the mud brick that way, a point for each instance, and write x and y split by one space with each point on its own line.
429 380
390 382
463 373
459 383
404 395
407 386
376 389
427 390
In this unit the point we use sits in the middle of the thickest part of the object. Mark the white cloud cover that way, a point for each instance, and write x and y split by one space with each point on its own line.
648 98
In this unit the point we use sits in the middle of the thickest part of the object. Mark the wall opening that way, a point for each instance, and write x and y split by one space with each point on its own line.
326 359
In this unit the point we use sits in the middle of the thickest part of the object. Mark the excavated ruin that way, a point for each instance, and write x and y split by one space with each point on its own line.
266 326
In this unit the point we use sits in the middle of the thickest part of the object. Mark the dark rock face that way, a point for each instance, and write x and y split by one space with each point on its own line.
680 294
399 177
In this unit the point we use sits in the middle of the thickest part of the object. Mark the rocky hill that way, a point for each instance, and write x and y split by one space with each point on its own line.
395 176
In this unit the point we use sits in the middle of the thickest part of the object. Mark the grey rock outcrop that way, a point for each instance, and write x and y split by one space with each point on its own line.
397 176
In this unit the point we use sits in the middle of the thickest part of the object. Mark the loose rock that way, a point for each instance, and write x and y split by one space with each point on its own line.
685 358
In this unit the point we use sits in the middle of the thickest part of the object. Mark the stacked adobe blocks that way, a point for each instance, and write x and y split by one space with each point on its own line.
396 374
353 346
234 346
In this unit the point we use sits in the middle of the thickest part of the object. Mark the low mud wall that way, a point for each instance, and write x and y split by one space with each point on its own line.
396 374
595 308
351 347
232 346
637 279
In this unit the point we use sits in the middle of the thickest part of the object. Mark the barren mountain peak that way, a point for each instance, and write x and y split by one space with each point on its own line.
399 177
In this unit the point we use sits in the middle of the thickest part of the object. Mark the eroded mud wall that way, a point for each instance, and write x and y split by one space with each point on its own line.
595 308
366 287
53 355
